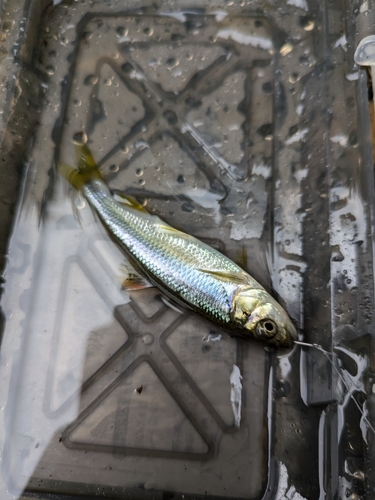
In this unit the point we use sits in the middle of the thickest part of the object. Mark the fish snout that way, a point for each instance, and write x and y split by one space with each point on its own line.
290 335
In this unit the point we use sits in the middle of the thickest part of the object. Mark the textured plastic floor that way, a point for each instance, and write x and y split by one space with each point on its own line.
225 124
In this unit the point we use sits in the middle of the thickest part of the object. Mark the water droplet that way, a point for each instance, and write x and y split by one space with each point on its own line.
265 130
304 61
64 41
359 474
127 68
294 77
177 72
114 168
77 102
50 70
307 23
286 49
80 138
90 80
87 35
125 150
139 145
148 338
80 203
171 62
148 31
139 172
170 116
121 31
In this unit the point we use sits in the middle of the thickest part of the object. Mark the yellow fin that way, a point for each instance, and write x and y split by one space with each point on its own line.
135 282
171 229
71 175
129 201
87 169
241 257
85 159
132 279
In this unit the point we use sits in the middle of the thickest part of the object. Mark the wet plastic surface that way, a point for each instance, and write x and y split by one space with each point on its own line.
228 124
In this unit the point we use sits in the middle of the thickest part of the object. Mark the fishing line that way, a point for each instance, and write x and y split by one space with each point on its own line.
329 356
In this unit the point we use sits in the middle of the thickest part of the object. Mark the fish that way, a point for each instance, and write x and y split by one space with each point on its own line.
186 270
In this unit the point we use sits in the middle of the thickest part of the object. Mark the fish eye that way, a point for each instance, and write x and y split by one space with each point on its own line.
266 329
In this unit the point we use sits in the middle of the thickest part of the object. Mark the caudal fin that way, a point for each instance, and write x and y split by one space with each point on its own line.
86 171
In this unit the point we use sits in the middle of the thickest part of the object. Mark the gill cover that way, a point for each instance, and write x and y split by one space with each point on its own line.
259 316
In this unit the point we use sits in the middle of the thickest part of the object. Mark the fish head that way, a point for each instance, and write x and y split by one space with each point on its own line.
257 315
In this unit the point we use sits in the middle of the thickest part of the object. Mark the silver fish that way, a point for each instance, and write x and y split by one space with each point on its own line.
188 271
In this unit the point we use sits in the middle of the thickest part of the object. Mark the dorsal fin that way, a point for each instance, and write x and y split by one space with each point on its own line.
170 229
241 257
135 282
227 276
129 201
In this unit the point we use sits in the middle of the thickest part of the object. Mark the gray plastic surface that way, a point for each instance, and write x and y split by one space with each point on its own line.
246 126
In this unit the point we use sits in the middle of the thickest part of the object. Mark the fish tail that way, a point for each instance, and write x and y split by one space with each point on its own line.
86 171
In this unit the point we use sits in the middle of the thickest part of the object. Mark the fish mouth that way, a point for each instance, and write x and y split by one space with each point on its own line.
293 333
284 340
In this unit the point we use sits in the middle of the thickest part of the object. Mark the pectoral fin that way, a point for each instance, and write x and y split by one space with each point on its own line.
135 282
132 280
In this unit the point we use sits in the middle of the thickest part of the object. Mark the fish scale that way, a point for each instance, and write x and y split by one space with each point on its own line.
174 261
